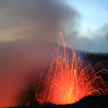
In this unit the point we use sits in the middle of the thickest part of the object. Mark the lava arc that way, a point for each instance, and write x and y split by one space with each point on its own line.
66 82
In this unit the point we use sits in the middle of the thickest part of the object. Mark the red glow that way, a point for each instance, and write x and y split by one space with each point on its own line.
68 82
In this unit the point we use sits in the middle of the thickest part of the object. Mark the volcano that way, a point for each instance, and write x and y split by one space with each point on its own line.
66 81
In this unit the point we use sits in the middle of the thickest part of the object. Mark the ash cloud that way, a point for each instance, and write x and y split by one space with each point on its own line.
38 18
28 29
98 43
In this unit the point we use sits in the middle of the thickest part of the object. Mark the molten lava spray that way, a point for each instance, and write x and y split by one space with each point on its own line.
65 82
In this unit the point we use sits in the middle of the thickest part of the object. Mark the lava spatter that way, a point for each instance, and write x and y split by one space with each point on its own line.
67 82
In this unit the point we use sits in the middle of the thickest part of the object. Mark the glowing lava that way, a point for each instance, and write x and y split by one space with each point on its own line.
65 82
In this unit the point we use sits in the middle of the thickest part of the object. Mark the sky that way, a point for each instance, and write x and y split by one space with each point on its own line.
94 13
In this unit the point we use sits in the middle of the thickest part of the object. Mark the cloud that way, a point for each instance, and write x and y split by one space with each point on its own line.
95 41
103 31
38 18
25 28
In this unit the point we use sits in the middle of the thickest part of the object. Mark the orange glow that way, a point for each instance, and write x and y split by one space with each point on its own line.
67 82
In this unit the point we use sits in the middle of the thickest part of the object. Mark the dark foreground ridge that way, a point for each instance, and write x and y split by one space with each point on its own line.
88 102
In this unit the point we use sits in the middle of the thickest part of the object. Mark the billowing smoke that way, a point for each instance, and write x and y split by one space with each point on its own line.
42 19
28 30
95 41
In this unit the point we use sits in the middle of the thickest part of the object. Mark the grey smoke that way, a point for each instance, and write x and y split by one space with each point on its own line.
28 30
38 18
97 44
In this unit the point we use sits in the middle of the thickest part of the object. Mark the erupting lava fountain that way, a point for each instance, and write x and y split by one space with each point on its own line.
67 82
